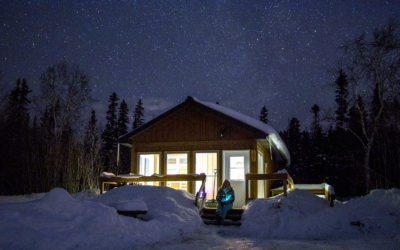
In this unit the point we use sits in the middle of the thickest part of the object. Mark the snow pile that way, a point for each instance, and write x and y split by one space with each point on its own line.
58 221
171 212
130 205
302 215
86 194
21 198
379 211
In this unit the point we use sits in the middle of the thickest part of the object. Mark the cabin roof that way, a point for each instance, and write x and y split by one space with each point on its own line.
254 123
264 131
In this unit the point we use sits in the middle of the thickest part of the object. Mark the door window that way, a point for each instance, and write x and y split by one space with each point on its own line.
177 164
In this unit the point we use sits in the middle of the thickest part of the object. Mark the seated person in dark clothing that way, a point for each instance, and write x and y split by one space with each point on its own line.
225 198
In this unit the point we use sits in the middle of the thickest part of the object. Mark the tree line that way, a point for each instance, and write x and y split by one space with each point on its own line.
360 149
43 142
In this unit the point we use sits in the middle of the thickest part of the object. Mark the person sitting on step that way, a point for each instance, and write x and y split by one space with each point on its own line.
225 199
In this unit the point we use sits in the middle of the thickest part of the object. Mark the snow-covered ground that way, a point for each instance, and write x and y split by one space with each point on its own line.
57 220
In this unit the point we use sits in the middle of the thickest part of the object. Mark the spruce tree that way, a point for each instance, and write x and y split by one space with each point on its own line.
138 115
292 137
293 134
341 99
15 139
122 127
123 119
110 134
16 111
264 114
316 127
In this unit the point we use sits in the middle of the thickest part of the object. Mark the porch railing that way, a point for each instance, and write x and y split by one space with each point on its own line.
284 177
110 178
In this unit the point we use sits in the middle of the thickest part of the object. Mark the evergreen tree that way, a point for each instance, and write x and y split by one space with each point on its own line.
16 114
109 136
14 144
138 115
316 129
292 137
264 114
123 119
124 152
341 99
110 133
293 133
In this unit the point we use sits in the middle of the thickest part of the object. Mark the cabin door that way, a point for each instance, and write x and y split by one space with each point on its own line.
236 164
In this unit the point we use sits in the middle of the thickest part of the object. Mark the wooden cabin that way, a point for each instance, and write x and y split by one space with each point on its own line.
204 137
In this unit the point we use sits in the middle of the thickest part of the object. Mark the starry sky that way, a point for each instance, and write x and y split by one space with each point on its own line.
243 54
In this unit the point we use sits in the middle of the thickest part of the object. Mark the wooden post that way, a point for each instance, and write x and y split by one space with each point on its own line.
253 169
246 189
101 187
118 153
163 169
219 167
134 165
191 170
284 187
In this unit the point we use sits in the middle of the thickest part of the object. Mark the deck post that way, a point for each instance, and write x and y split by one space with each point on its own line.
247 189
118 153
101 187
284 187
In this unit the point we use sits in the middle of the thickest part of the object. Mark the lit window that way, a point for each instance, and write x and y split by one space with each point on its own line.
236 168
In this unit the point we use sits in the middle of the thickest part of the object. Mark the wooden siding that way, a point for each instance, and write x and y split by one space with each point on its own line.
193 123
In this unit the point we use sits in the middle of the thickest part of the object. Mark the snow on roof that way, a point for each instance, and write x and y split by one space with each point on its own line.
273 135
239 116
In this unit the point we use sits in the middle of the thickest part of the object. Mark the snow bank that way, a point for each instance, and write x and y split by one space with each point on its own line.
302 215
21 198
58 221
171 213
130 205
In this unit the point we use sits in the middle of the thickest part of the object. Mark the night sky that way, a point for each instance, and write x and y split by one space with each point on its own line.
243 54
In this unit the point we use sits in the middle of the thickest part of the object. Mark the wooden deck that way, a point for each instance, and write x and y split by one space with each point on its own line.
319 189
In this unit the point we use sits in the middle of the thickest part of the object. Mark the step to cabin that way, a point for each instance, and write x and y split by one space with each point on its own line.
233 217
222 223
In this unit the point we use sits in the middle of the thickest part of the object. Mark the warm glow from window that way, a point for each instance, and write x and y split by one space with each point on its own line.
149 164
236 168
177 164
207 163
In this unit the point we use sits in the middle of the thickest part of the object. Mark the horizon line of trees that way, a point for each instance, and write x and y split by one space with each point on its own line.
51 149
360 150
